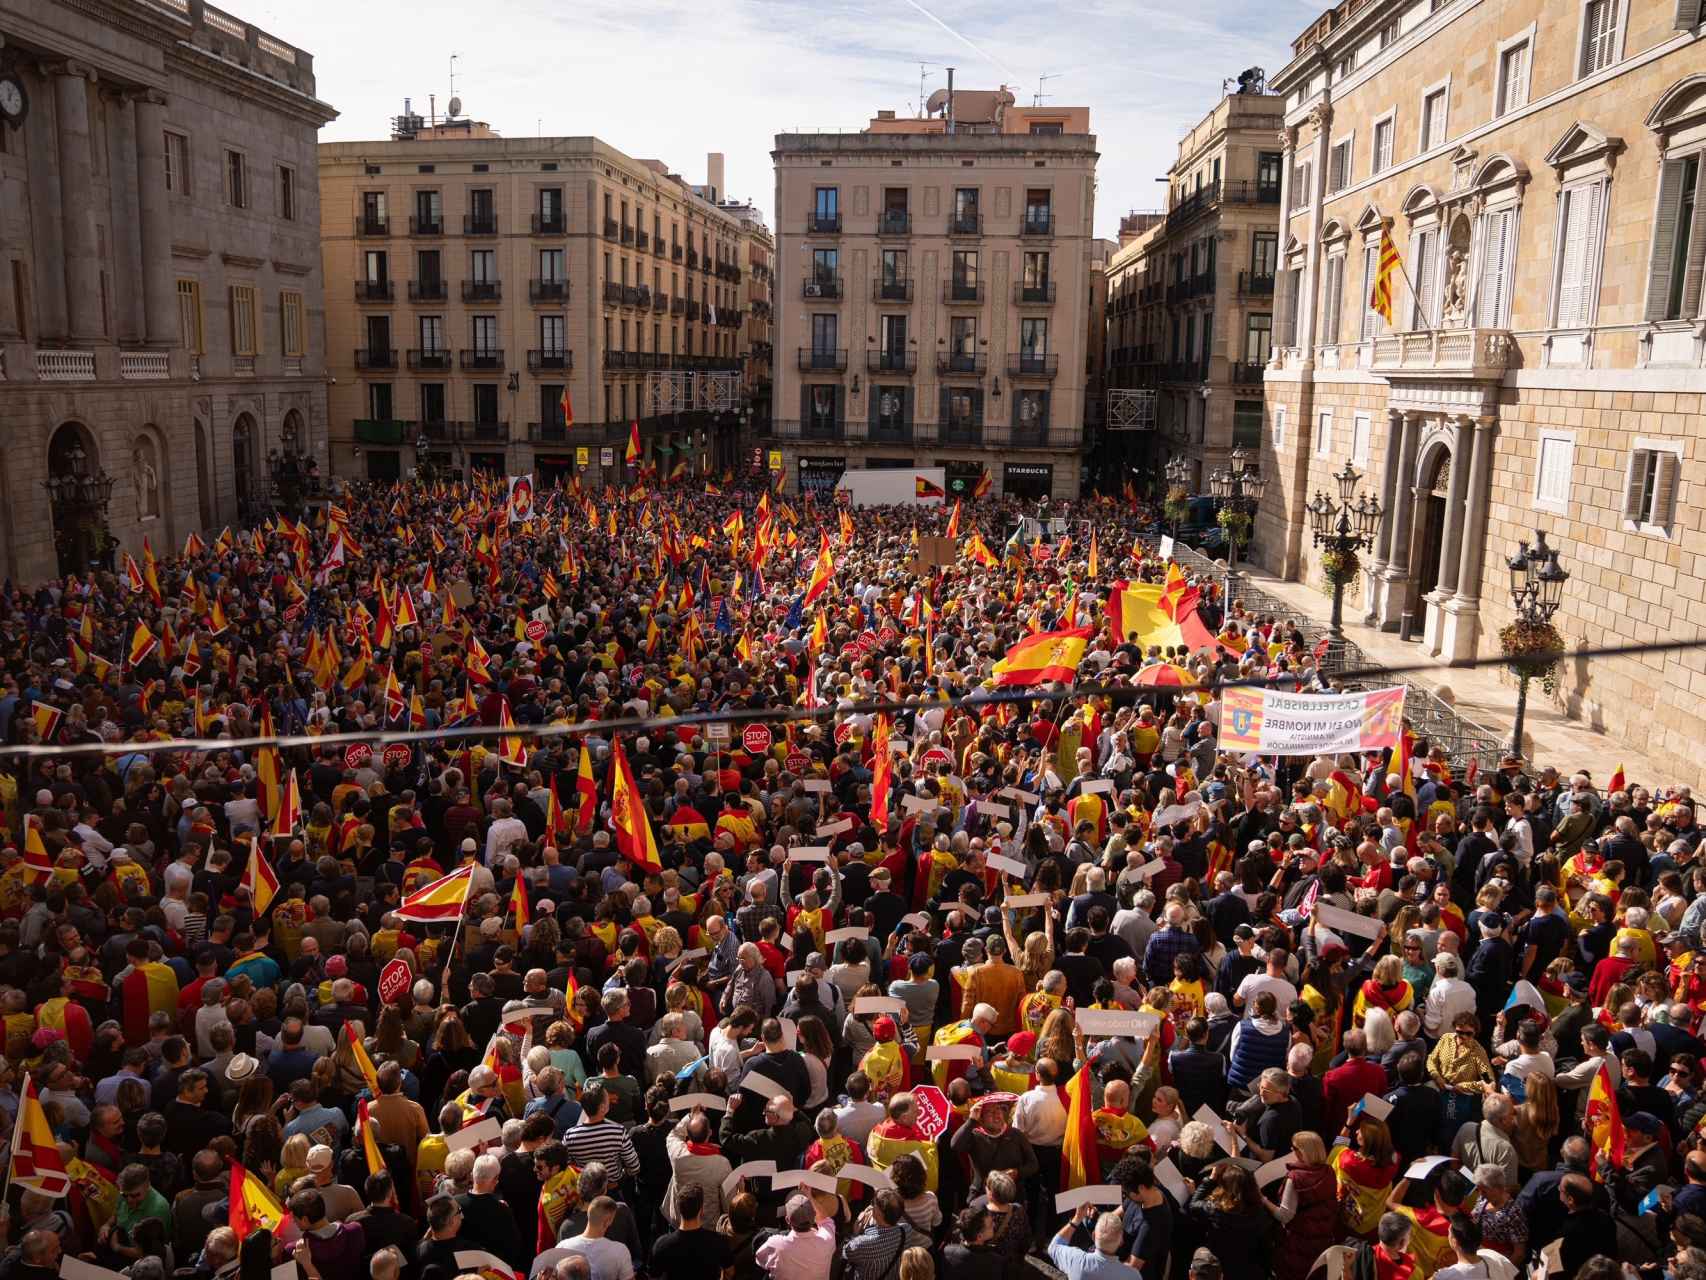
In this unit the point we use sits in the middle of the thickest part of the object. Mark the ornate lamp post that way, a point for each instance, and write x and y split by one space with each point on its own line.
1177 472
1342 529
1240 491
1531 643
78 501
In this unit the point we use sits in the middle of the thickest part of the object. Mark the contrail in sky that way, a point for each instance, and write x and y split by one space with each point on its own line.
963 40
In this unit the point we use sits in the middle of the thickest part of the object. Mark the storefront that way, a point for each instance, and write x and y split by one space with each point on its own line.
553 470
383 465
961 478
487 463
1027 480
821 475
888 464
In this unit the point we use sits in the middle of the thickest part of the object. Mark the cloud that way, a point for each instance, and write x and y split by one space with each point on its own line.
673 80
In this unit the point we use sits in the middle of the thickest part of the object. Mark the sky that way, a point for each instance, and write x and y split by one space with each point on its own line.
673 80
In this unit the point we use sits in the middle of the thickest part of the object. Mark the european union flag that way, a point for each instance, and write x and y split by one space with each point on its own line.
796 614
725 624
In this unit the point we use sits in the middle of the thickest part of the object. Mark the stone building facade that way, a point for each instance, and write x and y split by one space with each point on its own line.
1541 170
475 277
160 299
933 296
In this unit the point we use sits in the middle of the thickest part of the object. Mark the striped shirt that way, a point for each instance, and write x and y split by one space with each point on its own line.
606 1142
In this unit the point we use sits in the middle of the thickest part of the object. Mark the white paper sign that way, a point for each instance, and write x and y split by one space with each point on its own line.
809 853
1337 918
718 732
954 1053
1149 868
687 1101
1167 1174
762 1084
473 1135
918 920
1376 1106
1175 813
1019 900
1113 1022
994 809
878 1004
1272 1171
751 1169
532 1011
817 786
846 935
1164 548
1023 797
1012 866
698 953
836 828
76 1269
803 1178
919 804
1206 1114
1095 785
877 1179
1068 1201
1424 1166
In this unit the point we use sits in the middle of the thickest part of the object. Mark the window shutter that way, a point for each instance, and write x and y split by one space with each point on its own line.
1570 209
1495 270
1664 491
1593 27
1332 288
1014 400
906 409
977 407
1690 14
1664 238
1370 268
1696 249
942 414
1042 417
1632 482
873 399
805 405
1423 310
838 403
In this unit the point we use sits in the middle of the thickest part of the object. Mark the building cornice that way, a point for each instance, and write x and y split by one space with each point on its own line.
245 82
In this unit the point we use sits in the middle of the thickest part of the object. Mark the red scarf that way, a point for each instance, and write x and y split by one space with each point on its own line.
703 1148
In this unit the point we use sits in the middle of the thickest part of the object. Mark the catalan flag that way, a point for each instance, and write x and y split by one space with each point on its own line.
1380 296
634 838
440 901
46 718
36 1163
1045 657
259 878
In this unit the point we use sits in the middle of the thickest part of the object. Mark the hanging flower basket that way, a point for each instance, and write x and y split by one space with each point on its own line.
1532 649
1341 567
1236 524
1177 507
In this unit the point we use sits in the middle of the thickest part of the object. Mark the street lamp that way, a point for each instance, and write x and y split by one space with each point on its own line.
1240 492
1342 529
1177 471
78 501
1531 643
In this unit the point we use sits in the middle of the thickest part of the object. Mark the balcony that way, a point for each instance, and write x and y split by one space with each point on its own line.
692 310
660 302
1245 191
636 295
963 292
372 224
437 430
1037 222
485 432
658 245
825 361
1202 284
965 224
677 306
1252 284
375 357
550 224
432 359
559 360
1248 373
952 432
547 433
615 359
1032 366
961 362
675 253
482 290
891 361
612 294
820 430
428 291
894 222
419 226
889 433
547 290
480 224
891 290
823 224
381 431
821 286
1445 353
627 235
642 241
611 228
483 358
692 258
374 291
1033 295
1035 436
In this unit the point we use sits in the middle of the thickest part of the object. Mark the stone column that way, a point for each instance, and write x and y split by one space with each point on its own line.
1403 498
159 292
1389 486
1322 118
1474 534
1462 433
77 205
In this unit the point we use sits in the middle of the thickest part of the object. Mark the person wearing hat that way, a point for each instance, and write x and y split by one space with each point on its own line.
340 1201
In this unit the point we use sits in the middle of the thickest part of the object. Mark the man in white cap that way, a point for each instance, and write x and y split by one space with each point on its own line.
341 1201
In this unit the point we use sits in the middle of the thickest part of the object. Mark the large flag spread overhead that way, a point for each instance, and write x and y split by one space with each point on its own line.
36 1163
441 900
634 838
1043 658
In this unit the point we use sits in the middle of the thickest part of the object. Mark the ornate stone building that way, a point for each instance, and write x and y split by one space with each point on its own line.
161 362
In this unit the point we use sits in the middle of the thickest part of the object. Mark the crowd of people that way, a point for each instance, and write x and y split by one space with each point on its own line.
830 999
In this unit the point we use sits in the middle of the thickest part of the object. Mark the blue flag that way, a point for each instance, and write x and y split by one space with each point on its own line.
725 625
796 615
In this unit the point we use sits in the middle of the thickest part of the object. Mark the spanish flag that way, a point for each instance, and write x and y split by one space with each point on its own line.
1040 659
633 452
954 521
979 550
46 718
1095 565
358 1051
1603 1120
289 815
142 643
259 878
440 901
369 1141
568 408
476 661
37 867
924 487
1080 1163
822 572
1617 782
882 775
518 903
634 838
985 483
687 823
586 793
570 991
36 1162
252 1205
149 988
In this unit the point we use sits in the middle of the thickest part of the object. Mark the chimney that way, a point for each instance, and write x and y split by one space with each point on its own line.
950 99
714 175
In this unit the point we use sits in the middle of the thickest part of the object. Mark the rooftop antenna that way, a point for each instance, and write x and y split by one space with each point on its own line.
1037 101
454 106
921 79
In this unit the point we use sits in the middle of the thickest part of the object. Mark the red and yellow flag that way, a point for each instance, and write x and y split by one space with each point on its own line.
259 878
1080 1162
822 572
289 815
518 903
1043 658
36 1163
1380 297
1617 782
634 838
46 718
369 1141
882 775
252 1205
358 1051
633 452
1095 566
1603 1120
142 643
985 483
441 900
979 550
586 793
954 521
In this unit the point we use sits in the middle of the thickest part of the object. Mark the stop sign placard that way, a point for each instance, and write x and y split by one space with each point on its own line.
797 762
394 980
398 755
756 739
932 1106
358 755
535 631
842 731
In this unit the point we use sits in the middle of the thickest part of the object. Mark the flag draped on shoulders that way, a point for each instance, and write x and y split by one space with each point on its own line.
149 988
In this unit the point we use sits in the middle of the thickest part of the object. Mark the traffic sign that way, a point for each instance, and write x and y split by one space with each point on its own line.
394 981
398 755
358 755
756 739
932 1107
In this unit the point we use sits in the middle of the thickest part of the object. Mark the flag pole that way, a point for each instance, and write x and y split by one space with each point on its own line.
1415 294
17 1131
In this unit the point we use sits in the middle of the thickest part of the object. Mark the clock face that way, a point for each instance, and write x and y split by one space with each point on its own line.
11 98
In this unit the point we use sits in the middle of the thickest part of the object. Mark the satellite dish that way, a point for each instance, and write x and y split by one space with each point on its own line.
936 102
1005 98
455 107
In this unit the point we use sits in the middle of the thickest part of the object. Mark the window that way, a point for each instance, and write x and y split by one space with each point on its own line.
1498 247
1332 296
379 401
889 405
1039 212
1389 34
1673 280
1513 78
432 333
485 332
965 202
1649 489
551 335
483 266
1033 338
1373 323
1051 130
1279 426
189 317
1381 160
481 210
820 407
485 402
1030 412
963 406
891 334
825 331
432 402
236 180
1301 195
1324 435
1433 118
1581 213
1423 306
551 266
287 193
550 204
1361 427
290 322
964 265
1339 166
1552 475
1269 166
1258 339
1036 271
243 319
1264 254
1599 35
1246 424
826 205
962 336
177 163
376 269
